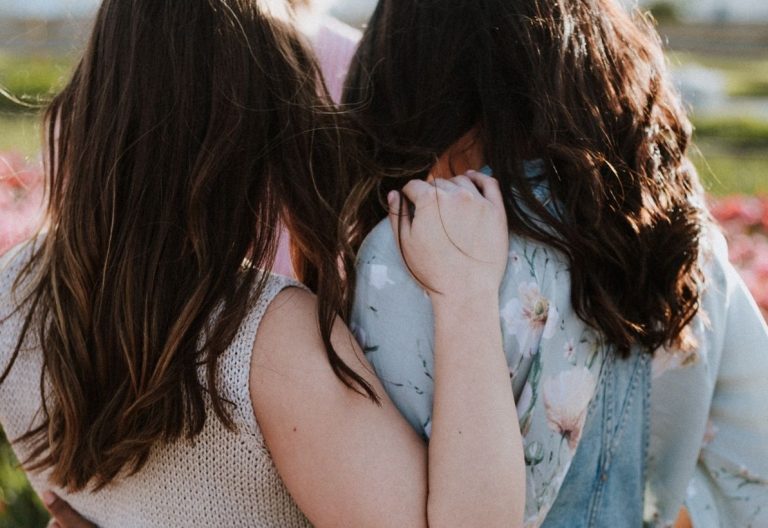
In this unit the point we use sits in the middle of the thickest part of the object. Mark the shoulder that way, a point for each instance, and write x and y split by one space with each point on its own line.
720 279
289 341
379 244
290 317
14 258
380 266
292 379
12 264
384 286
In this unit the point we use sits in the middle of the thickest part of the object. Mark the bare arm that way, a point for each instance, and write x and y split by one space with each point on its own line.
475 431
345 460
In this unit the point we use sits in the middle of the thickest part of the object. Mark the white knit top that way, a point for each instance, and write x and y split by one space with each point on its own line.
221 479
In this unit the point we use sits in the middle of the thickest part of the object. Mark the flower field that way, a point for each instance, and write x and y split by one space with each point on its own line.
745 222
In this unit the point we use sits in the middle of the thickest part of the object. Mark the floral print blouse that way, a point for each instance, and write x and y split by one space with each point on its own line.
709 422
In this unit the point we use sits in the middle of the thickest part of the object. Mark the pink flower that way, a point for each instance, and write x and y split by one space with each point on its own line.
740 209
745 222
530 318
21 199
566 399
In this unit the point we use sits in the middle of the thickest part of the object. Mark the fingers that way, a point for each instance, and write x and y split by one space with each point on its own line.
465 183
63 514
419 191
489 187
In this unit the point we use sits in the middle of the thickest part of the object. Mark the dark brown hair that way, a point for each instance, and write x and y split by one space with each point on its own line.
189 131
579 84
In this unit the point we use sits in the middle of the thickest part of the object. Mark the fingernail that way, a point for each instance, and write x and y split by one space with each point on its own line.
48 498
392 196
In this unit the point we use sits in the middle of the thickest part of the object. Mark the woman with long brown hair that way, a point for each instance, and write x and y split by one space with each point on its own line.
153 375
629 337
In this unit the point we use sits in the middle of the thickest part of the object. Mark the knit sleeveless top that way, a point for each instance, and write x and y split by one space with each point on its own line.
221 478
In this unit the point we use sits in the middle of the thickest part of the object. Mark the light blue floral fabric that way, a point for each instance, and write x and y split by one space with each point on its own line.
709 421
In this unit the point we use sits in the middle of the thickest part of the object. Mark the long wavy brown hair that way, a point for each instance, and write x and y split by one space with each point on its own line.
189 132
579 84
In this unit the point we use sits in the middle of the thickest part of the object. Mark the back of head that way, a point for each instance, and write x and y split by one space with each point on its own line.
189 131
578 83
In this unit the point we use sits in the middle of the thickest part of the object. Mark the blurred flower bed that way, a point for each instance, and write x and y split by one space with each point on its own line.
745 222
21 198
744 219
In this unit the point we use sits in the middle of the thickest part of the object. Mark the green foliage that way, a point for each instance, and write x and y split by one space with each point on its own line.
731 155
665 12
32 80
19 505
20 133
745 76
736 133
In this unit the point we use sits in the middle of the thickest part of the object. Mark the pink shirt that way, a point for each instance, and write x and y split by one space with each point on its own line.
335 44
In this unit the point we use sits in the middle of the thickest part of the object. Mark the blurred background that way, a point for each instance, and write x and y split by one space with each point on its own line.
718 50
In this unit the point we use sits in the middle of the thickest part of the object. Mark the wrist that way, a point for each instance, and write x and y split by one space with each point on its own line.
462 303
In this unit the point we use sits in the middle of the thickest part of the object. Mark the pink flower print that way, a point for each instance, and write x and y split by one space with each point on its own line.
566 399
530 318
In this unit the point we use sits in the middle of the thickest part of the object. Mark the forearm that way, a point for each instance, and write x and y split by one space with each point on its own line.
476 466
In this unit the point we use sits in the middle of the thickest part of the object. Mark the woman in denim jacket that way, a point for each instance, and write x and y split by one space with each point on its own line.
638 359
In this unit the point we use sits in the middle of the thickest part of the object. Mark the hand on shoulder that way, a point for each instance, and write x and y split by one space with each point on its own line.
457 241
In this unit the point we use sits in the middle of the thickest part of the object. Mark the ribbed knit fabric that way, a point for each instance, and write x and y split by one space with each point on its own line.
221 479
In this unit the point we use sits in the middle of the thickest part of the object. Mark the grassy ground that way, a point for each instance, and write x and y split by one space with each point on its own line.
19 133
745 76
31 80
731 155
